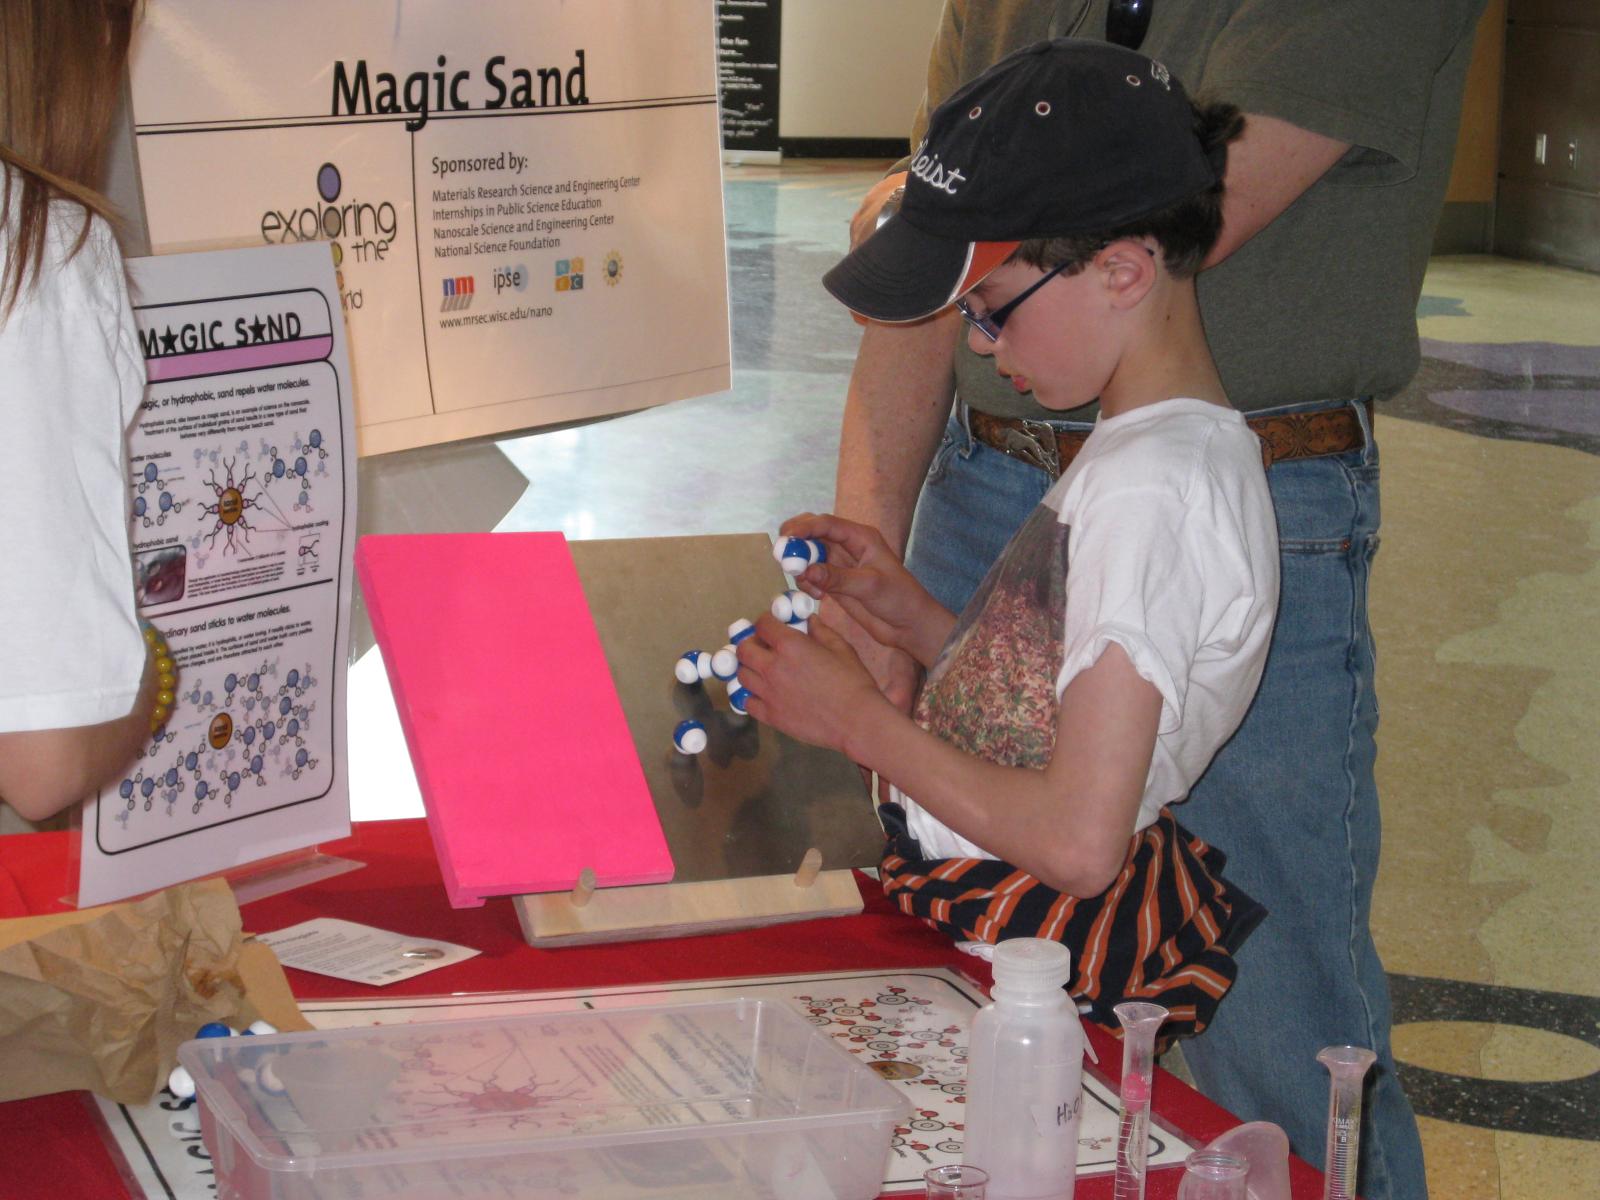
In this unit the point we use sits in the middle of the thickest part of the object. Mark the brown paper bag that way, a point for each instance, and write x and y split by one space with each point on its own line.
100 999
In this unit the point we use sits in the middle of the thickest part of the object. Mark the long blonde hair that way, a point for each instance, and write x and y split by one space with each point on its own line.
62 64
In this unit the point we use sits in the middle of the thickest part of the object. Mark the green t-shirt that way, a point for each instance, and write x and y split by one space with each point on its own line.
1321 304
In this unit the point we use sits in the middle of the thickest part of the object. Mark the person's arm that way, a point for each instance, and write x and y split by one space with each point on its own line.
1269 166
46 770
1067 825
899 397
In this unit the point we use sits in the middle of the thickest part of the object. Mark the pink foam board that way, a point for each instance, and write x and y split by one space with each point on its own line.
521 750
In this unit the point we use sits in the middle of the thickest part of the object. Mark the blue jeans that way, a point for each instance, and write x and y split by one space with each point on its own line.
1290 799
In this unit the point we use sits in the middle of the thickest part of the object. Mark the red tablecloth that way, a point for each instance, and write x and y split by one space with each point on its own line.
52 1147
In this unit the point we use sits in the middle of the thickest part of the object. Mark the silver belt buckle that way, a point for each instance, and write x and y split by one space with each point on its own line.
1035 444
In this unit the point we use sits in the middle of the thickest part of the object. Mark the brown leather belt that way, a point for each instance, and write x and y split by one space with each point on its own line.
1283 436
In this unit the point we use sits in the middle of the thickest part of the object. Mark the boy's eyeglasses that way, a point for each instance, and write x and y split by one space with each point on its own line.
990 323
1127 21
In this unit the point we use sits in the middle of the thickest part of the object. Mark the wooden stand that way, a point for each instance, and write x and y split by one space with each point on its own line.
624 914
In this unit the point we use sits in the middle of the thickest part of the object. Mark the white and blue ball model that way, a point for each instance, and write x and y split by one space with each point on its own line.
692 666
794 555
794 607
739 630
689 737
738 697
725 663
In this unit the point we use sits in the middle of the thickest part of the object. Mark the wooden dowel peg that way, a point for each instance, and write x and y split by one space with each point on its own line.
810 865
583 890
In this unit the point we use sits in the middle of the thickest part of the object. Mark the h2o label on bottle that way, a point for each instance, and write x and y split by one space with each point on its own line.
1049 1120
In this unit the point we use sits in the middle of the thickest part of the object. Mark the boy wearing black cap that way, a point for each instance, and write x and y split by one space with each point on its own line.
1063 201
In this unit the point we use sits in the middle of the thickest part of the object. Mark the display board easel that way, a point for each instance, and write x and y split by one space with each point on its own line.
495 702
762 829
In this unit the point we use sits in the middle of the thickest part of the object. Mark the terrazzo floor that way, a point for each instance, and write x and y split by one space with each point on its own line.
1486 604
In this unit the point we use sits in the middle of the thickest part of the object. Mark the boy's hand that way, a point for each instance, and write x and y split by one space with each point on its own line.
872 585
896 672
811 686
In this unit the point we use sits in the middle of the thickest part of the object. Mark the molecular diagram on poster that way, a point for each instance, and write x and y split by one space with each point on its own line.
271 489
244 731
153 499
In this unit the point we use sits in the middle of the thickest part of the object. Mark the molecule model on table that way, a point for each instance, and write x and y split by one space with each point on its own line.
692 666
689 737
725 663
739 630
181 1084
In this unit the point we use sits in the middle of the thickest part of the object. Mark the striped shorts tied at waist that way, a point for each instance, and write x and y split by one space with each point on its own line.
1165 931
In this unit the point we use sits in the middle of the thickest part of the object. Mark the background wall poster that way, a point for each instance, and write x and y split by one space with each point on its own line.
749 42
522 197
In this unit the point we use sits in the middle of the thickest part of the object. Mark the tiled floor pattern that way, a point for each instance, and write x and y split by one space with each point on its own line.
1485 602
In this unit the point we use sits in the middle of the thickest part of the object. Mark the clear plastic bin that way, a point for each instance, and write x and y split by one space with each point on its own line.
738 1098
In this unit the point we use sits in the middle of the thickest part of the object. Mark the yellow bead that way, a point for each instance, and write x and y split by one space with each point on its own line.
168 682
150 635
165 665
165 699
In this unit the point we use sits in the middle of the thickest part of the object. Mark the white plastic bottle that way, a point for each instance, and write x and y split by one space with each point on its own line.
1025 1074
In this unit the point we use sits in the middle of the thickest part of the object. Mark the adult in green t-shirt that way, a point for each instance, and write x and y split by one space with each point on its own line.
1309 303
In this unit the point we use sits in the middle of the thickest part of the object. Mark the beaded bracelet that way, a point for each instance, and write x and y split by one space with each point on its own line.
166 676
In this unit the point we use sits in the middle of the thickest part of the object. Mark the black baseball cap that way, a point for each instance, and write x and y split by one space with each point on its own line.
1059 138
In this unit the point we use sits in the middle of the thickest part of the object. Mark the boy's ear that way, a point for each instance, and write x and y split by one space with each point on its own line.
1128 268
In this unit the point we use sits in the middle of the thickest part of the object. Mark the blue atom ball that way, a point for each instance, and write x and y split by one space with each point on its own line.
213 1029
279 467
138 506
292 728
150 472
254 681
316 438
202 790
231 682
148 786
233 780
689 737
294 678
284 706
126 789
166 501
300 757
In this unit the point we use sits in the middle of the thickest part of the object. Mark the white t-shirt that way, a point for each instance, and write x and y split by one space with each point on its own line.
1160 538
71 379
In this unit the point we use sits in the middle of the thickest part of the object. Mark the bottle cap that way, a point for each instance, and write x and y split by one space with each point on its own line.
1032 964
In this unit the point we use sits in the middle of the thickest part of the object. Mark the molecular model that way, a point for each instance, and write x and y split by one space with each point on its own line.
181 1084
794 555
694 667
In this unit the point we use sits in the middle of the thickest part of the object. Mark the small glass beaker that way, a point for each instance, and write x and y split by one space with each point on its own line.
956 1181
1212 1175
